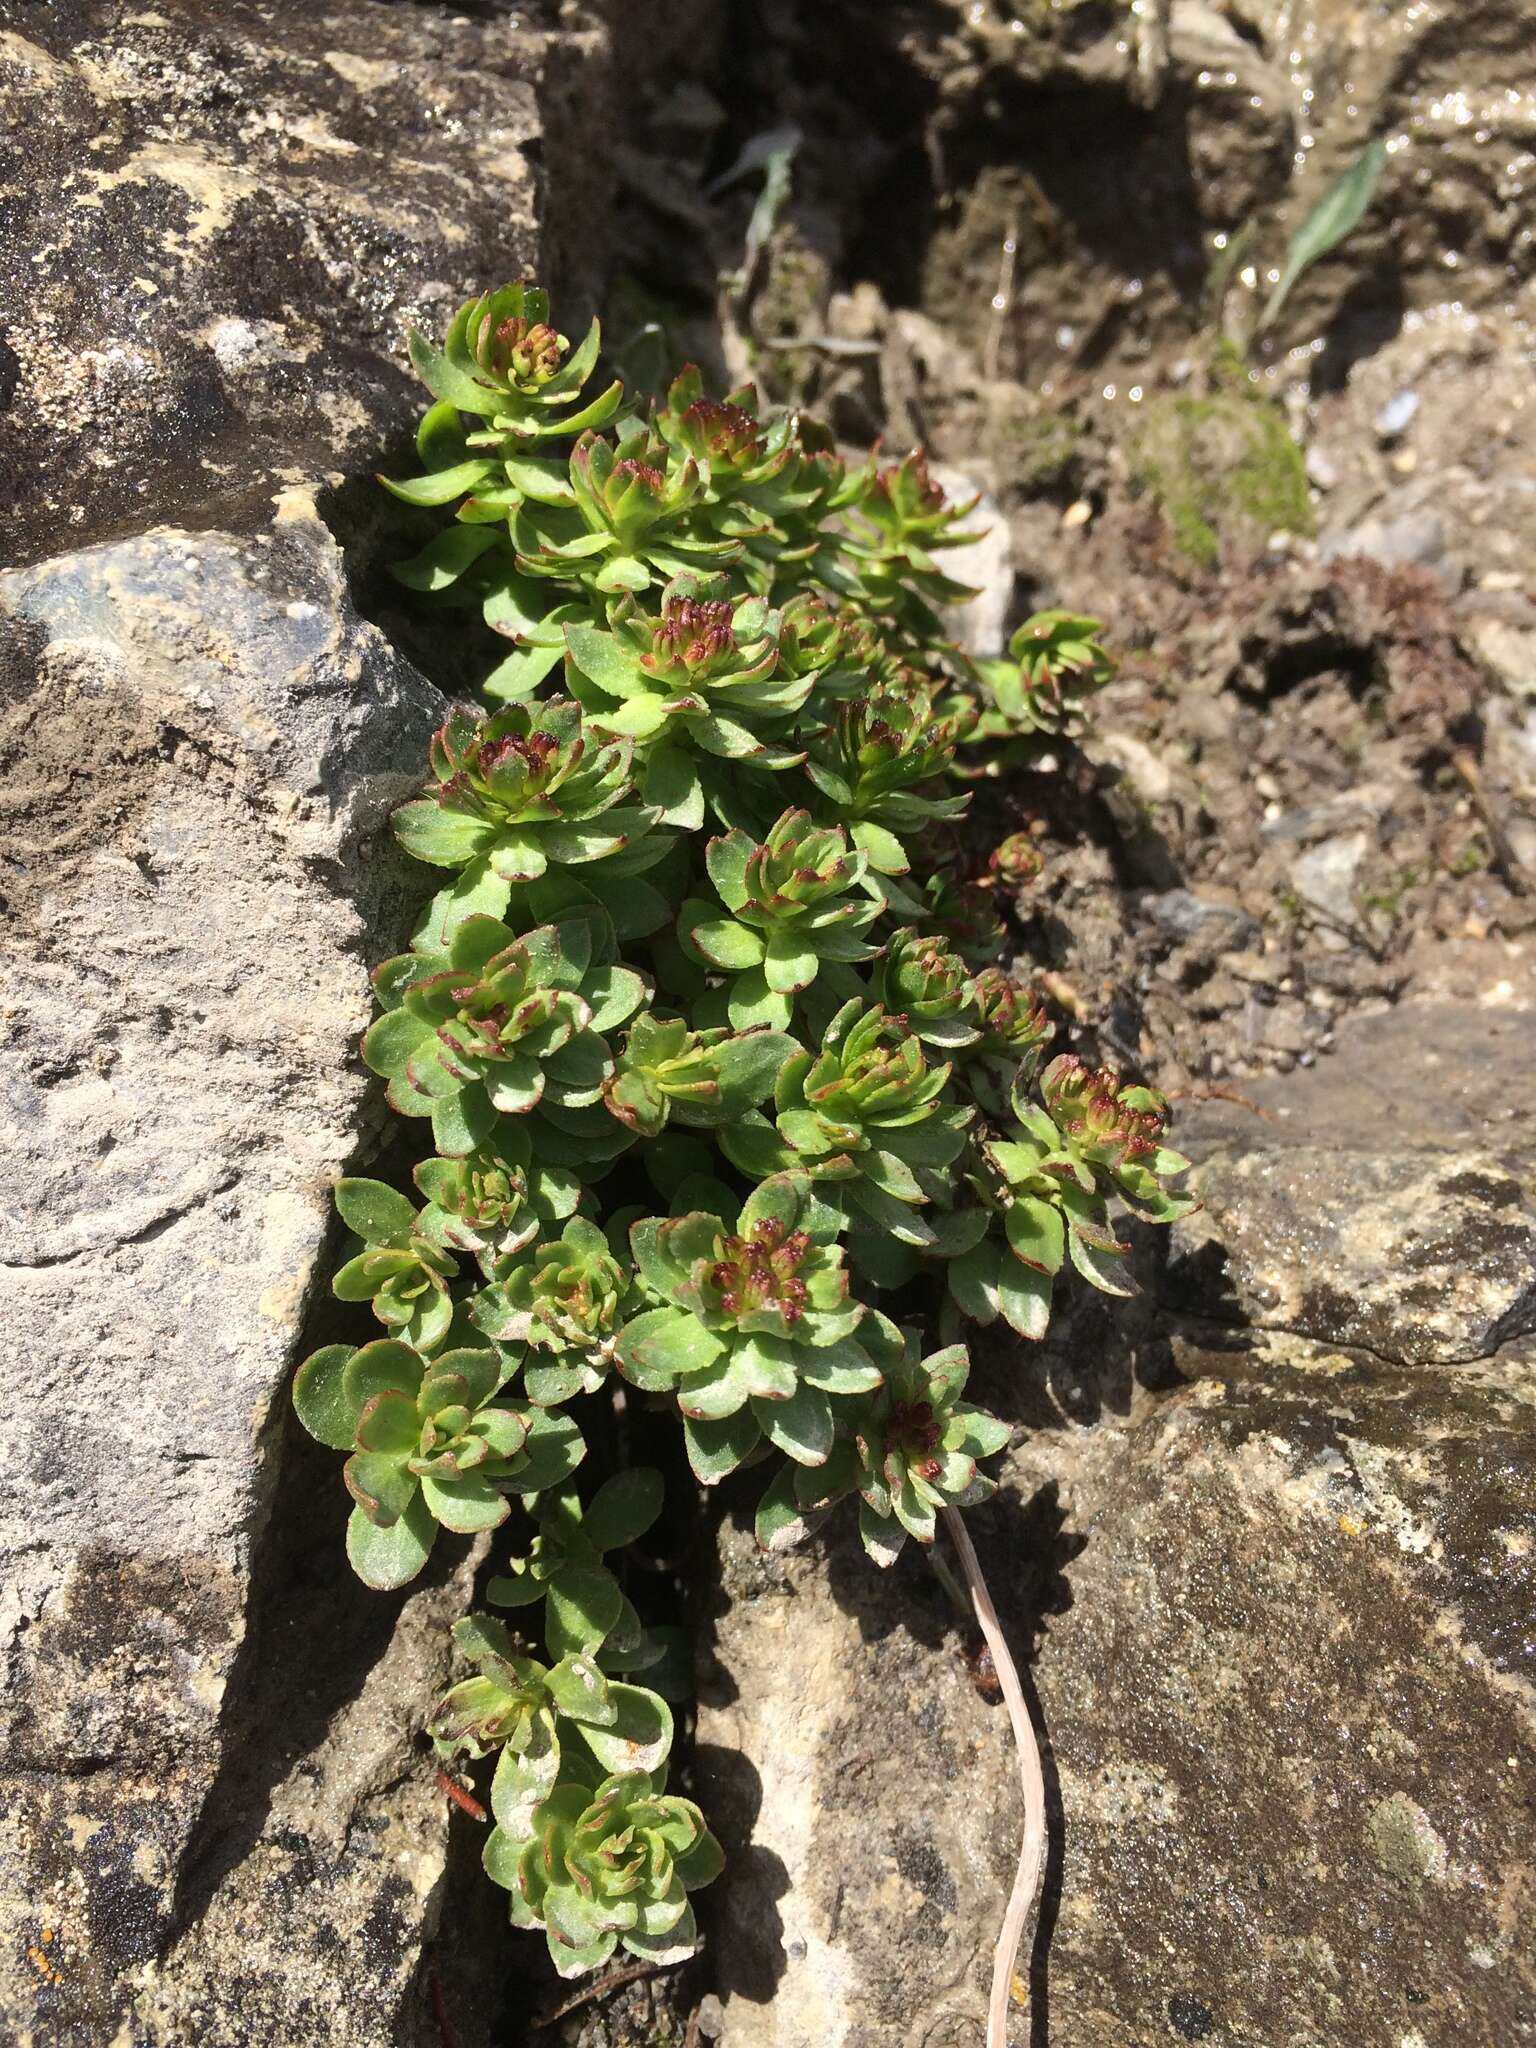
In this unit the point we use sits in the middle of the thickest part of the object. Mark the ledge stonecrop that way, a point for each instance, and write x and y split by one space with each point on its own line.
712 1027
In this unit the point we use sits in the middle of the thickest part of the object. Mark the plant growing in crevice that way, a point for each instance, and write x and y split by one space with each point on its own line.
733 1099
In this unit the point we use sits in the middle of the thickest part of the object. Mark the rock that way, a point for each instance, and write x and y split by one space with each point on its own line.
1396 416
1200 1583
835 1722
203 742
1258 1846
981 624
1379 1200
1326 876
1394 542
224 225
1222 926
225 220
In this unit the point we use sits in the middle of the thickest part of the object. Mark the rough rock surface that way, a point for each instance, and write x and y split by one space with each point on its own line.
221 221
203 742
1279 1592
1385 1201
226 218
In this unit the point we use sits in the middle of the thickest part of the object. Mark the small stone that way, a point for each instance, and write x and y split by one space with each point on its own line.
1326 876
1411 537
1077 514
1188 916
1397 415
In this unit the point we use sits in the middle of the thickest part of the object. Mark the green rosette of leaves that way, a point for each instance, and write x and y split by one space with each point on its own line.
629 523
702 1079
505 380
401 1266
564 1299
922 981
430 1445
1049 1182
499 1024
741 458
909 1449
794 908
1056 664
607 1864
1012 1032
503 365
701 683
548 1722
866 1112
870 763
522 790
899 521
494 1200
755 1334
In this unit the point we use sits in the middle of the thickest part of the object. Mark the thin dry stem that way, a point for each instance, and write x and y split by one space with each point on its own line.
1026 1880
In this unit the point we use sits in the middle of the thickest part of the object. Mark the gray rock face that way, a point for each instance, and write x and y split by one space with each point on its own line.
1382 1200
228 216
203 744
1276 1593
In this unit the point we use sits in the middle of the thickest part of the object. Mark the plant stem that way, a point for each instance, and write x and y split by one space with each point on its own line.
1032 1850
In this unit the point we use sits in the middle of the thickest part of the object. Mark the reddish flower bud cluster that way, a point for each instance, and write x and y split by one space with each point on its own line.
690 635
761 1272
527 350
1086 1103
725 433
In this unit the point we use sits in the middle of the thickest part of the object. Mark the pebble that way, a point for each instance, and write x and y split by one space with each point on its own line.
1397 415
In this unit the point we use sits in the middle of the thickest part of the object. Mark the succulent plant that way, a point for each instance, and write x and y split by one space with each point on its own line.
909 1449
493 1200
498 1024
792 907
429 1445
522 789
899 521
502 362
544 1720
628 523
864 1112
930 987
869 763
564 1298
756 1327
1014 1031
401 1268
585 1608
607 1864
1017 860
702 1078
706 614
1056 664
1049 1181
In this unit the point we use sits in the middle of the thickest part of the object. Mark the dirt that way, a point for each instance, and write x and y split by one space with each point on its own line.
1310 789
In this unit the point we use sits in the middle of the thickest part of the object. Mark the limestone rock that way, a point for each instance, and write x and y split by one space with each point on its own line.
203 742
225 219
1381 1199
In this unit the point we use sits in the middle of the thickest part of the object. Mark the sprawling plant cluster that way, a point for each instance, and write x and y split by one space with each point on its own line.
729 1090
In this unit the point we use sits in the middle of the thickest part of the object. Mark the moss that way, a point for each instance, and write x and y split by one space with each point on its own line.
1224 470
